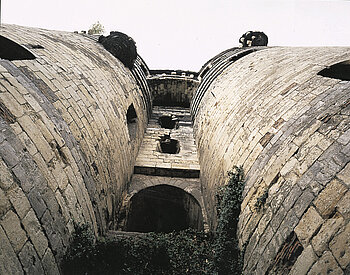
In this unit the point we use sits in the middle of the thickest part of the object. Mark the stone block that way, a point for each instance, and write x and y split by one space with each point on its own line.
306 259
9 154
30 260
14 231
292 197
327 200
9 263
19 201
326 265
35 233
309 223
37 137
12 104
23 172
344 175
343 206
37 202
4 203
303 203
326 233
344 138
51 233
49 263
340 247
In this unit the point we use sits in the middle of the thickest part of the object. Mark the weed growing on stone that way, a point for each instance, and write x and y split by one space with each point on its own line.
260 202
227 255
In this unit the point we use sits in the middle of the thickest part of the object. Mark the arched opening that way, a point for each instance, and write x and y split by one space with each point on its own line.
10 50
131 120
338 71
163 208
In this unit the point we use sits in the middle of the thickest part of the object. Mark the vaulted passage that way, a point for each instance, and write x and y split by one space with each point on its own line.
163 208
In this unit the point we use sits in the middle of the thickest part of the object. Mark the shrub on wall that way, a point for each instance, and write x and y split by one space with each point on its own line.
227 255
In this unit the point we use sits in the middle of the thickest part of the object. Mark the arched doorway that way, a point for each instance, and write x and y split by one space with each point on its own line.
163 208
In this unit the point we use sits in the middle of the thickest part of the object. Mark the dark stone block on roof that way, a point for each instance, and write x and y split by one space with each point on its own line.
255 38
121 46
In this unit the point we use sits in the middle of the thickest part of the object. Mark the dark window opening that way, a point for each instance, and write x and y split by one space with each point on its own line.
10 50
131 119
169 122
168 145
338 71
34 46
163 208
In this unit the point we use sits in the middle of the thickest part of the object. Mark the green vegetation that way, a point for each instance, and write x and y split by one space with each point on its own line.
228 259
260 202
185 252
96 28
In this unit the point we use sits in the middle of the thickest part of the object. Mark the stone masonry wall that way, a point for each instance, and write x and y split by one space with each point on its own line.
172 90
290 129
65 149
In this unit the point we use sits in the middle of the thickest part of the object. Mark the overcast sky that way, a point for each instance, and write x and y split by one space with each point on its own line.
184 34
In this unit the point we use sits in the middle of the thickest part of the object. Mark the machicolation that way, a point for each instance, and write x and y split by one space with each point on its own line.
97 151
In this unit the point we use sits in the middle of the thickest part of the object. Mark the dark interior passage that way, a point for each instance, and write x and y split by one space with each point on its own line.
163 208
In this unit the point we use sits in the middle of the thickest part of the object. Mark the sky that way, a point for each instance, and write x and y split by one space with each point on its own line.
184 34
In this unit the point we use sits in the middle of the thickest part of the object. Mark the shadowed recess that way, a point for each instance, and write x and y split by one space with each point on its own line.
163 208
338 71
12 51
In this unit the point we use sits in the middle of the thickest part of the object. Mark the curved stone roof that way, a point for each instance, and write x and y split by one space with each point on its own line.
73 118
65 145
289 128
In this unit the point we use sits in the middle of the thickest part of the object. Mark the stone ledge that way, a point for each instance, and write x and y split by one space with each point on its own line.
167 172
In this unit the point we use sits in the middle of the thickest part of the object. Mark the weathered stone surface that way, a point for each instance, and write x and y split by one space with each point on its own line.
8 154
19 201
304 262
344 175
327 231
343 206
326 265
4 203
49 263
14 231
307 226
9 263
30 260
35 233
6 179
326 201
340 247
